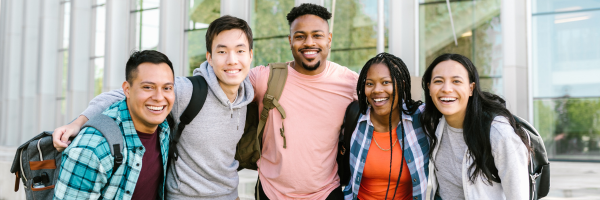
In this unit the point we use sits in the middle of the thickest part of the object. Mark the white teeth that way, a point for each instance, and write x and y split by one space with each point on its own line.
447 99
155 108
380 99
232 71
310 52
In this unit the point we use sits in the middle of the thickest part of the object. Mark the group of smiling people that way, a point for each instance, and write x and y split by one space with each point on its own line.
466 135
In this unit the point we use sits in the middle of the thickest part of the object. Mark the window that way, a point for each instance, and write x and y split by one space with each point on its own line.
478 31
146 15
566 90
99 44
270 31
200 14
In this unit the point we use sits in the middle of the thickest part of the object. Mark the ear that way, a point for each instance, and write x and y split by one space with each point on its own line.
290 41
330 38
251 54
429 88
472 85
126 88
209 58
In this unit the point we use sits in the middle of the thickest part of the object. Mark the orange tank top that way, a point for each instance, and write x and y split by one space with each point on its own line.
377 165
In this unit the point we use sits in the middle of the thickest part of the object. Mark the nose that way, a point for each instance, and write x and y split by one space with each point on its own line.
447 88
378 88
158 95
232 59
309 41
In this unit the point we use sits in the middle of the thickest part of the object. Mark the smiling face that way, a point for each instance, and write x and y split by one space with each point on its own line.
379 89
231 58
310 41
450 90
150 96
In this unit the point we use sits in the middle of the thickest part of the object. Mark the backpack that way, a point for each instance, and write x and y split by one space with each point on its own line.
343 157
248 149
37 162
539 167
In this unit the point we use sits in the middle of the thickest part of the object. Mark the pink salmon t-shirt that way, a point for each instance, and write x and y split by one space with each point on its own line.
315 107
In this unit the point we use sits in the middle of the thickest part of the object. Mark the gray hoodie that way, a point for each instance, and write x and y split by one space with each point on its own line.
206 168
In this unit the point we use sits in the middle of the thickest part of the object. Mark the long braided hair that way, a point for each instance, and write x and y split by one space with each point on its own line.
401 84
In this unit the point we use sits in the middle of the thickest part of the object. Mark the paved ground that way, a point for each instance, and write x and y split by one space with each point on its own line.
569 180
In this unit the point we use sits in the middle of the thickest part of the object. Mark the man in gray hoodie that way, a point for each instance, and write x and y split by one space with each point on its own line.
205 168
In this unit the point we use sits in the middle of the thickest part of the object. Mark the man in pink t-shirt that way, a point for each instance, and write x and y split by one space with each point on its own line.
314 98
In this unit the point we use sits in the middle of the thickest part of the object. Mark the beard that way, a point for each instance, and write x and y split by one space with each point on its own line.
311 68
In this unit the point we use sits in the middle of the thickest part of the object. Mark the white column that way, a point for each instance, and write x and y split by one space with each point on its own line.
514 43
48 65
404 33
318 2
79 58
13 35
28 111
116 52
171 35
380 26
236 8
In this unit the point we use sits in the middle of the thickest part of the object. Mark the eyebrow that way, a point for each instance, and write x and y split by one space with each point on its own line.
315 31
452 77
150 82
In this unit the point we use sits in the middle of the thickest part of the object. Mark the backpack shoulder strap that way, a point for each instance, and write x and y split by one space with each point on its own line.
200 91
350 121
277 77
112 133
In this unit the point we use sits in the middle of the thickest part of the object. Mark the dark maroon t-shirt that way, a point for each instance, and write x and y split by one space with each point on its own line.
151 175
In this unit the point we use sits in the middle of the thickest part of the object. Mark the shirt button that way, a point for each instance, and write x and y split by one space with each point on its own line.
416 197
409 160
141 148
127 192
138 164
415 180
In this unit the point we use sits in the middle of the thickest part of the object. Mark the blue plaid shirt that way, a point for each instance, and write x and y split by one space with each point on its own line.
416 153
87 164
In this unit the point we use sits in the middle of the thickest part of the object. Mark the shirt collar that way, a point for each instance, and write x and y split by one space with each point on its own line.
367 116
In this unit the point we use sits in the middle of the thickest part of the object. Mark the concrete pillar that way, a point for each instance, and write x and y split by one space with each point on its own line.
30 70
236 8
404 33
13 19
116 53
514 43
79 58
172 35
48 65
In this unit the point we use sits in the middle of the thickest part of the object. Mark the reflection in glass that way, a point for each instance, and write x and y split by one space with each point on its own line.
270 31
146 30
201 13
566 57
551 6
479 36
570 127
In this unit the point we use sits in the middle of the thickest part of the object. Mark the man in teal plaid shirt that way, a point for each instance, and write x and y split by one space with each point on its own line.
87 170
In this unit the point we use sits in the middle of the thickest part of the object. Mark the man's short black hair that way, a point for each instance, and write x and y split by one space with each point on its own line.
225 23
139 57
308 9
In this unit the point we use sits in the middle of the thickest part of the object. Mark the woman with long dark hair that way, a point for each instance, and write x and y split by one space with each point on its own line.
479 151
388 150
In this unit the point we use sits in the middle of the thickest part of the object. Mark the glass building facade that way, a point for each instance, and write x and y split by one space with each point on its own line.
543 56
566 67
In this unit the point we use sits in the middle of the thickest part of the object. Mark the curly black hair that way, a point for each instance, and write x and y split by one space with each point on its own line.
308 9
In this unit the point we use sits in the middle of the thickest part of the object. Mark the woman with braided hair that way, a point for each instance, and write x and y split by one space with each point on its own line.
389 153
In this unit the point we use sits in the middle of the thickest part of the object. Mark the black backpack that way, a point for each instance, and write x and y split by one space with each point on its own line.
539 167
37 162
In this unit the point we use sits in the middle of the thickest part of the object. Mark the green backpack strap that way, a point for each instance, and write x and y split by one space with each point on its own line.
277 77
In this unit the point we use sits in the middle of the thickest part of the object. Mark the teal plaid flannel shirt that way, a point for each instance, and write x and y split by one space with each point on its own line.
87 164
416 153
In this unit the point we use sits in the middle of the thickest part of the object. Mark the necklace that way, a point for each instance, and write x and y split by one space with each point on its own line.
382 148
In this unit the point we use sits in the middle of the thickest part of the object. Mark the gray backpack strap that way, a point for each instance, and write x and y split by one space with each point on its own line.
111 131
